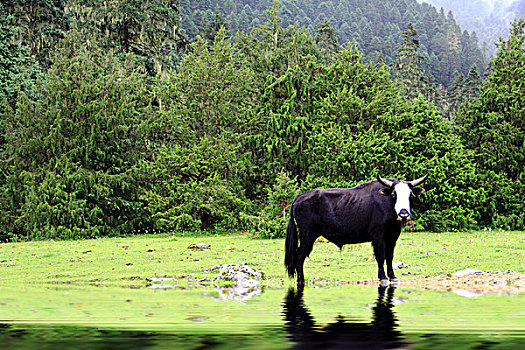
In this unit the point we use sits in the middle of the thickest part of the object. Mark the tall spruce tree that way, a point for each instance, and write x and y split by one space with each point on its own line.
494 127
18 74
326 40
210 27
72 157
408 66
41 24
272 48
457 91
472 83
18 69
149 29
200 167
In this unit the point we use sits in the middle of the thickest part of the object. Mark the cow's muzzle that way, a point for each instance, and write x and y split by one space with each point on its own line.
403 216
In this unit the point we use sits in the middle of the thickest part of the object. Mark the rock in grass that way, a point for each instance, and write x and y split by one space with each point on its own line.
399 265
199 246
466 272
241 274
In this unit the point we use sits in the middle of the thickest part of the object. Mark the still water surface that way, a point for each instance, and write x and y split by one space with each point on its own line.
351 317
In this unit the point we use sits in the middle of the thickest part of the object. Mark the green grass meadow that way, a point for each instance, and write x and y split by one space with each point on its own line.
102 284
129 261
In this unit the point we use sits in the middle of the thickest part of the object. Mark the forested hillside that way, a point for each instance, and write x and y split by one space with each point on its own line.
373 26
112 122
490 19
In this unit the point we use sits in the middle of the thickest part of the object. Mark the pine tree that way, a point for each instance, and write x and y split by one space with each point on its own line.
452 59
408 68
457 91
210 28
494 127
18 70
272 48
73 155
18 74
200 168
41 24
326 40
148 29
472 83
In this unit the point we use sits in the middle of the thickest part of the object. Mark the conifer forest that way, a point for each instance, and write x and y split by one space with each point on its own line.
125 117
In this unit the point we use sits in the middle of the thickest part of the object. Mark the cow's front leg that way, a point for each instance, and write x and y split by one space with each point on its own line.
379 253
389 250
389 269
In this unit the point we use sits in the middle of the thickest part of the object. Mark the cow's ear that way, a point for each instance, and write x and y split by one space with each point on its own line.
418 190
386 191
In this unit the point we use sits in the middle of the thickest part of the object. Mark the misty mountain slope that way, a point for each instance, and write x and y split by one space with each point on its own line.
374 26
490 19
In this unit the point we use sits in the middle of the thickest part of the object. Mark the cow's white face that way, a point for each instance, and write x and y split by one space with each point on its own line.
402 192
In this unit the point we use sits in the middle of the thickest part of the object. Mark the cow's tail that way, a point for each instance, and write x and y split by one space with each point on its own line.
291 243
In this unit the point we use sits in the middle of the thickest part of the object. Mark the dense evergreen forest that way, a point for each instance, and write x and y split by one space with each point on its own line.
117 120
372 26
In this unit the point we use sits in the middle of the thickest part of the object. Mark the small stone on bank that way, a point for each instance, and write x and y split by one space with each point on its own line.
466 272
199 246
399 265
242 274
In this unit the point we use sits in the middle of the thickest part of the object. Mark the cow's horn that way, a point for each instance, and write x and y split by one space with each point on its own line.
385 182
418 181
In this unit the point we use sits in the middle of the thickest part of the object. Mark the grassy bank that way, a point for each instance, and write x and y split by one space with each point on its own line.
131 260
85 290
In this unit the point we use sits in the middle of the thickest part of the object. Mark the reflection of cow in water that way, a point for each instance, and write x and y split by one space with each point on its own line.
381 333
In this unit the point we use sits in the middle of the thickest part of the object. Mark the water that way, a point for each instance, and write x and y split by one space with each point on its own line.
350 317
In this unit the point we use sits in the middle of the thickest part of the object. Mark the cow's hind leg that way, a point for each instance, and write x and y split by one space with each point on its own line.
304 250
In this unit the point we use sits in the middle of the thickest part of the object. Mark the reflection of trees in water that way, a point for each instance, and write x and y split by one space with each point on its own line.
380 333
60 336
